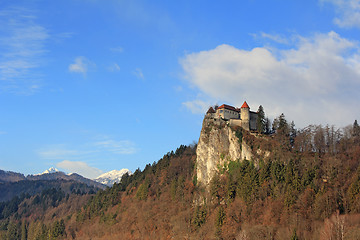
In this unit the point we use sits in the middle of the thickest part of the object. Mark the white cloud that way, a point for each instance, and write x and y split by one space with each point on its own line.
178 88
348 12
139 74
117 147
273 37
101 148
60 151
117 49
315 82
81 65
64 35
197 106
114 67
22 50
81 168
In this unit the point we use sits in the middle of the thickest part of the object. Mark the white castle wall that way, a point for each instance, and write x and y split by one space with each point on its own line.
228 114
245 119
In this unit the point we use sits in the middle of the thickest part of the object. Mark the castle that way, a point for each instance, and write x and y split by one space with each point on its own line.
242 117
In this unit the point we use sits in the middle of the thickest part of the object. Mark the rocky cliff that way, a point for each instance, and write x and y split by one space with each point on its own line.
217 144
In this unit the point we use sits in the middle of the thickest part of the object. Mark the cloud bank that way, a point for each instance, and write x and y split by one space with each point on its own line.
105 146
60 151
81 65
81 168
117 147
316 81
22 50
114 67
139 74
348 12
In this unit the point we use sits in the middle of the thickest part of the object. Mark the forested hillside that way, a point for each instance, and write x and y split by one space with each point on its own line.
41 216
10 190
308 187
7 176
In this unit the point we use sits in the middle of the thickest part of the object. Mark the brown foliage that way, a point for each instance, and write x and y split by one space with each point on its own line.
311 187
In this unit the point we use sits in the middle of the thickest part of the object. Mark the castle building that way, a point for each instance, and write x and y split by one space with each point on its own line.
242 117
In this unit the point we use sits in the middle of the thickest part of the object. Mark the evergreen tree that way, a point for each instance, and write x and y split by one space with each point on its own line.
267 126
173 187
294 235
12 231
57 230
292 133
282 130
275 125
142 191
356 129
24 230
282 122
220 218
199 216
260 122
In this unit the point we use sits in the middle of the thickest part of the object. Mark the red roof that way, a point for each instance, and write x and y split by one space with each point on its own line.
211 110
227 107
245 105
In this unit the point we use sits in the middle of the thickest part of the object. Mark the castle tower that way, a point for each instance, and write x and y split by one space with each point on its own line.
245 116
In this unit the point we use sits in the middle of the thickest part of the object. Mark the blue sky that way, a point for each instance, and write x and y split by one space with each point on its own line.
89 86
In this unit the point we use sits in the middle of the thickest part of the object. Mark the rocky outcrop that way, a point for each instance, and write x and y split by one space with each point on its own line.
217 144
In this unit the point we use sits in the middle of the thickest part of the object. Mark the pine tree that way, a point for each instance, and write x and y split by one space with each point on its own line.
24 230
356 129
142 191
282 130
294 236
12 231
275 125
173 187
260 122
282 122
220 218
293 133
199 216
267 126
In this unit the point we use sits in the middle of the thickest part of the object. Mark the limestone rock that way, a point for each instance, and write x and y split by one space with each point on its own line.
217 144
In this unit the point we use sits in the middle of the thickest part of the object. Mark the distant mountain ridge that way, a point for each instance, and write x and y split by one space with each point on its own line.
8 176
105 179
12 184
114 176
50 170
55 175
9 190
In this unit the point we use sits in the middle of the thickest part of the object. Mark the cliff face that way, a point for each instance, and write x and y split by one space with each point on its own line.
217 144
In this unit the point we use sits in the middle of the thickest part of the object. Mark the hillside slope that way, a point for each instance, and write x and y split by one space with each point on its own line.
14 184
7 176
306 186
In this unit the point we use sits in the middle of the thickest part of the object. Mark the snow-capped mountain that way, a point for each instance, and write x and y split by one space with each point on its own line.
50 170
53 174
114 176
